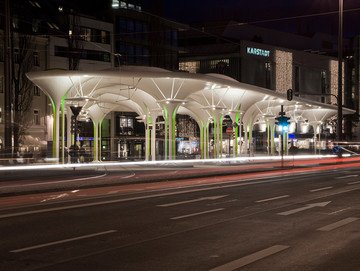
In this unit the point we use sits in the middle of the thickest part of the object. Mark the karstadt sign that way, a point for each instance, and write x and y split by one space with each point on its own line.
257 51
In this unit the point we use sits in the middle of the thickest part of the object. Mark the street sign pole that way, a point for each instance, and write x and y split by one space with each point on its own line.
282 139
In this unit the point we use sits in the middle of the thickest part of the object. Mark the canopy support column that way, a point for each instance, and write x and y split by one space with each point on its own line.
148 124
170 110
96 141
56 132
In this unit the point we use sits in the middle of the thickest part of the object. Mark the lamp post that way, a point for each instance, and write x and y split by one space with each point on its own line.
339 96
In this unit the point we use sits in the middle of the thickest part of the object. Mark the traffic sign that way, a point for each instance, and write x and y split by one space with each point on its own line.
229 130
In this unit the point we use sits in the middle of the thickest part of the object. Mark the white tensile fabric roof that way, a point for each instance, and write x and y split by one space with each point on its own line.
145 90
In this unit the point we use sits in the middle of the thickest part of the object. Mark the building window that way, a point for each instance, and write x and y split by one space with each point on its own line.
15 22
126 125
2 52
323 82
0 115
105 37
36 91
36 117
16 55
36 59
297 80
190 66
86 34
35 25
268 75
1 84
115 4
123 4
85 54
214 63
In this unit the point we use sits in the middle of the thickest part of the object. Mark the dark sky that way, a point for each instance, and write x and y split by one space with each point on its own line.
252 11
257 10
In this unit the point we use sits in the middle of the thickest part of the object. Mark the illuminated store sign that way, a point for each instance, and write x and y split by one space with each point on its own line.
257 51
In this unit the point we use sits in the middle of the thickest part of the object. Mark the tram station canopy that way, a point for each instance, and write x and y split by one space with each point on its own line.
149 91
144 89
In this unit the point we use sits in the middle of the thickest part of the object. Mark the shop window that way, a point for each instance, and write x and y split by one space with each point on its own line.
126 125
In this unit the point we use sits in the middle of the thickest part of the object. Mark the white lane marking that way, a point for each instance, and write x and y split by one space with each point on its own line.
347 176
52 182
339 211
191 201
350 183
250 258
221 202
62 241
274 198
55 197
195 214
320 189
338 224
309 206
246 183
128 176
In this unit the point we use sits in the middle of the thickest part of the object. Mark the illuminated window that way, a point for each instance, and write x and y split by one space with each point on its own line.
190 66
214 63
86 34
126 125
123 4
0 115
115 4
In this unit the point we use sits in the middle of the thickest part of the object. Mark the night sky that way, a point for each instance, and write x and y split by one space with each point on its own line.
253 11
258 10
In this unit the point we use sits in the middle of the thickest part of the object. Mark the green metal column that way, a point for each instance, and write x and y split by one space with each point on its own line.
272 134
96 141
221 136
202 149
100 140
166 147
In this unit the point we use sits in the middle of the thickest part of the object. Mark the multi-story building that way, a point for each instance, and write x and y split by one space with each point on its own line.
267 58
56 38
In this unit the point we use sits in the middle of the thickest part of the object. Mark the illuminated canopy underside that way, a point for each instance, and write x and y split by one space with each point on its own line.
146 90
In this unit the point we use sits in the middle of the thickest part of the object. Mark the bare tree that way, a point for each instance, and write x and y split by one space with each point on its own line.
22 88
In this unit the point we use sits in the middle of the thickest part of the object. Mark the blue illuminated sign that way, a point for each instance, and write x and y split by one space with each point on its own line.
257 52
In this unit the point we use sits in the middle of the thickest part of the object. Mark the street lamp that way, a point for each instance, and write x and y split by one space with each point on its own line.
339 96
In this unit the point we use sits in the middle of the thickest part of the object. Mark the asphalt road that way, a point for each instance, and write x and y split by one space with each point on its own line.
295 222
